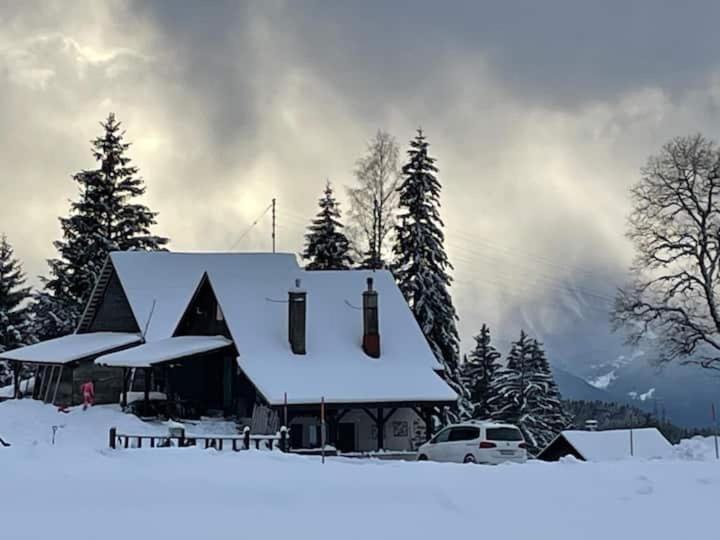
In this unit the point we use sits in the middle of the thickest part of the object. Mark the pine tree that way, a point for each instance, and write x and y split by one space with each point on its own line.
477 373
421 266
14 295
103 219
326 246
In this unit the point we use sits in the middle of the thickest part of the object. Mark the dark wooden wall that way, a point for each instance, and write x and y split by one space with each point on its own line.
201 316
113 314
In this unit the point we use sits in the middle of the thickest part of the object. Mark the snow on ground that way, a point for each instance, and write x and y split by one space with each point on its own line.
80 487
698 448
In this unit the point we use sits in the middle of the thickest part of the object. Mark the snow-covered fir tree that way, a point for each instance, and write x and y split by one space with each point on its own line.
106 217
525 394
14 296
507 403
421 265
326 246
476 375
545 416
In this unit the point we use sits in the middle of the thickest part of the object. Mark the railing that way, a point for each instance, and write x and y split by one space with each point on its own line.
246 441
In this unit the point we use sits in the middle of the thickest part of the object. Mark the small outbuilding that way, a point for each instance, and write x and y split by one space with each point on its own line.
609 445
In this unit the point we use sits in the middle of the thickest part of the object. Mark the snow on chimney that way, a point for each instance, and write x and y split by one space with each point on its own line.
297 309
371 323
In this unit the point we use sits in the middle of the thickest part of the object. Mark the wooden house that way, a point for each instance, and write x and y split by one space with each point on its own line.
243 334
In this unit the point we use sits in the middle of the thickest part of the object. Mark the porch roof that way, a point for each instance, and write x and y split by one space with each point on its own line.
163 350
73 347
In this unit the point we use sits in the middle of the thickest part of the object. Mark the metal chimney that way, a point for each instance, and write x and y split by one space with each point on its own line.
297 314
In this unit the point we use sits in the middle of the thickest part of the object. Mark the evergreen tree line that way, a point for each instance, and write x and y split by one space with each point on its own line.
401 204
104 217
520 391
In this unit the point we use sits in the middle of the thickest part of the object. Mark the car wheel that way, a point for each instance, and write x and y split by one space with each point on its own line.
422 457
469 459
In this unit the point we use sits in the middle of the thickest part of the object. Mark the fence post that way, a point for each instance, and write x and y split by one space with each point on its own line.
283 439
246 436
113 434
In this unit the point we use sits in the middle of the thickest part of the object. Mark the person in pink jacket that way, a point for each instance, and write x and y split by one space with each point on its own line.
88 392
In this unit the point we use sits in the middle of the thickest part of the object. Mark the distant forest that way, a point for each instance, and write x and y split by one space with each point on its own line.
619 416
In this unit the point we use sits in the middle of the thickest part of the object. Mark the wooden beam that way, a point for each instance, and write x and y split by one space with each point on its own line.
380 422
370 414
146 395
125 375
16 366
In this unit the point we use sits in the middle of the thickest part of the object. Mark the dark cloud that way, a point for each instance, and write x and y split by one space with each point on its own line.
540 114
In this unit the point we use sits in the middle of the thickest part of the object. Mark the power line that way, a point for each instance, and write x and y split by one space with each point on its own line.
252 225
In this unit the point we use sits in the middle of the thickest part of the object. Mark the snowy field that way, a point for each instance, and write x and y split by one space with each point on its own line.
78 488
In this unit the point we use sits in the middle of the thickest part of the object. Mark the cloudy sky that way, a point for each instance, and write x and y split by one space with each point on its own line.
540 115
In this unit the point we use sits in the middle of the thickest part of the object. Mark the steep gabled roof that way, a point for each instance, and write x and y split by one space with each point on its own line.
252 292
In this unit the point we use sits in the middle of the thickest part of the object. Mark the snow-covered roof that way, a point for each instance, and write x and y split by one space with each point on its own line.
614 444
252 289
70 348
163 350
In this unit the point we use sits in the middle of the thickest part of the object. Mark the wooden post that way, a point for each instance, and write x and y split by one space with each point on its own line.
632 445
16 366
146 396
113 437
715 435
322 428
57 385
246 436
123 401
285 410
427 416
283 439
380 423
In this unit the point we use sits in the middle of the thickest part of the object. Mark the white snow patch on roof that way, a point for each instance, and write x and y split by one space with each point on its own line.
252 290
70 348
614 444
163 350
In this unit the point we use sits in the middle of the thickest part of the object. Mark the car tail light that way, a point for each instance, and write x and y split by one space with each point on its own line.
486 444
523 445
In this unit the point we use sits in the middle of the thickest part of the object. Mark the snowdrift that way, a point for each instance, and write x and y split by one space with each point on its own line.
58 491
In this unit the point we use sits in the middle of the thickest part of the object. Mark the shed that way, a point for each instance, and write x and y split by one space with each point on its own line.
609 445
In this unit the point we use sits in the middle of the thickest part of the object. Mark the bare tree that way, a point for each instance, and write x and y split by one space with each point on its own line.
675 227
373 201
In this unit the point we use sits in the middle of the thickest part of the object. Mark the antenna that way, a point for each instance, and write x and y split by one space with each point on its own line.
273 225
147 323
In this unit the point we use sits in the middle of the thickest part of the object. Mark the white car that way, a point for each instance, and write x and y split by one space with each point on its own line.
476 442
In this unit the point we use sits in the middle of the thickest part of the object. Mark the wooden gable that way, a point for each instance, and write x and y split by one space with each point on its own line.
108 309
203 315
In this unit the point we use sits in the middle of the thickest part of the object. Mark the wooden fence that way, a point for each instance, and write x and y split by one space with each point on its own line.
246 441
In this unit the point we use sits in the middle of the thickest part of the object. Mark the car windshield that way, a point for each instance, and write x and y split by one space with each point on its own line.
504 434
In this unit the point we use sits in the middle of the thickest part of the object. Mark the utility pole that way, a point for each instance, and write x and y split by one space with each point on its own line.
273 225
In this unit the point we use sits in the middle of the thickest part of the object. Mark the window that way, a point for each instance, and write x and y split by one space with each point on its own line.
218 313
464 434
442 436
504 434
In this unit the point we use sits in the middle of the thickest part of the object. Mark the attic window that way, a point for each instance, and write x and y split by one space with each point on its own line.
219 314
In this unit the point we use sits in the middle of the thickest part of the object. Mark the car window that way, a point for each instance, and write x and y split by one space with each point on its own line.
464 434
442 436
504 434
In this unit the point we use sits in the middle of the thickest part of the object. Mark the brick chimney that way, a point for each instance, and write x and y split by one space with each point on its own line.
297 313
371 322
